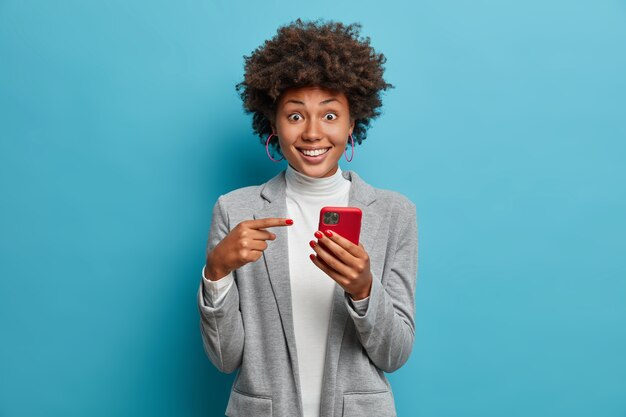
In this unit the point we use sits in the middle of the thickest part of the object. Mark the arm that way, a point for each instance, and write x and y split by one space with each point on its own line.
221 324
387 329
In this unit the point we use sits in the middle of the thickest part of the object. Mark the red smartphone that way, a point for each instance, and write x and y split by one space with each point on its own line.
346 221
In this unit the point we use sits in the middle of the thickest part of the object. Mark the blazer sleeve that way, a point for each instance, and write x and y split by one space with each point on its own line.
387 329
221 325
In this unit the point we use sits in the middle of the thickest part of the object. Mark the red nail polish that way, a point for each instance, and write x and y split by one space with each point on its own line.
319 234
289 221
312 243
328 233
312 257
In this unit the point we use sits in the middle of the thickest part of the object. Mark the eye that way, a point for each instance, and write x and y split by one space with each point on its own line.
294 117
333 116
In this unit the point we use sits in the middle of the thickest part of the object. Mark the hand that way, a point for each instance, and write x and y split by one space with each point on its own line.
348 264
243 244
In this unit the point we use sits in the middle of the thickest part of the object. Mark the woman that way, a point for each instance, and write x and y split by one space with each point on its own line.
311 320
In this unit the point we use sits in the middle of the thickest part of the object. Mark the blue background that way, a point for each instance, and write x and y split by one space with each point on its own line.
120 126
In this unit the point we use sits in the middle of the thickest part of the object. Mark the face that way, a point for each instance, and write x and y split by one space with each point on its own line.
313 125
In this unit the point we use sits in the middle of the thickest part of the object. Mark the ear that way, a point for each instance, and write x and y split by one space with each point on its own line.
351 125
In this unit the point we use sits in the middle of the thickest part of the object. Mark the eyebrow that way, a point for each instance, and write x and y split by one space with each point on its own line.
321 102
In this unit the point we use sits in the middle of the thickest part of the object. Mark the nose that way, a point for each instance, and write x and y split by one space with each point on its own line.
312 131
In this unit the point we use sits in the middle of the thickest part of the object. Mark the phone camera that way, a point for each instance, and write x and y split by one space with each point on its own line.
331 217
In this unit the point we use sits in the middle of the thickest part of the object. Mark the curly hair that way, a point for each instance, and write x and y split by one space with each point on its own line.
329 55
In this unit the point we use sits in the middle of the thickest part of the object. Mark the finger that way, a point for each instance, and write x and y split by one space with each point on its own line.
354 250
268 222
252 244
326 269
260 245
254 255
258 234
331 260
339 252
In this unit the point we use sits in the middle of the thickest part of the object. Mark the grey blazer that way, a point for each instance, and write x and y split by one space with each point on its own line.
252 327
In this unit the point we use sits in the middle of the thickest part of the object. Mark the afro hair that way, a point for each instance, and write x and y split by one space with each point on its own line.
329 55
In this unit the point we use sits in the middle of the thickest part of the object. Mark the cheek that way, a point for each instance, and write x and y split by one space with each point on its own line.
285 143
286 134
340 137
340 130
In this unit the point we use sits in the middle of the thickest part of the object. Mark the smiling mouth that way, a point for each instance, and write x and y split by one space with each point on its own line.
313 152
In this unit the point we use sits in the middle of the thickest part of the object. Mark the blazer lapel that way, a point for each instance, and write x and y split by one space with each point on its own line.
276 258
361 196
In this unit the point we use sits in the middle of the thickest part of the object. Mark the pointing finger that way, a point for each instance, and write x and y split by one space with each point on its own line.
268 222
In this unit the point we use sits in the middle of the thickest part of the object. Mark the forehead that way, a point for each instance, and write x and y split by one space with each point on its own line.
312 96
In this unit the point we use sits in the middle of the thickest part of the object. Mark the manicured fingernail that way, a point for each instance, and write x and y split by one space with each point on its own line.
289 221
312 257
318 234
328 233
312 243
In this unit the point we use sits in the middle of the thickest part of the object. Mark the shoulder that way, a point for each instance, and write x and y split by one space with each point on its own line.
240 203
395 199
241 194
398 209
237 205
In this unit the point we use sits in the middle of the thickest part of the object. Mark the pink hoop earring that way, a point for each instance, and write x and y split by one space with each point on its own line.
267 149
345 152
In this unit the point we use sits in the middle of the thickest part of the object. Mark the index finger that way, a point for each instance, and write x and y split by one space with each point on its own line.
269 222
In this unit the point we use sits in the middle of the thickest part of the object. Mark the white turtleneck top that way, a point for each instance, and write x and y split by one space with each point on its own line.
311 289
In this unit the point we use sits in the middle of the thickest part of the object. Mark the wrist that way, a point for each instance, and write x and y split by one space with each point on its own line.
213 272
362 294
213 275
357 297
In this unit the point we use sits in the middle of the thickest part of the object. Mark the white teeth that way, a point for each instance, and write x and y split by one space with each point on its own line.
314 152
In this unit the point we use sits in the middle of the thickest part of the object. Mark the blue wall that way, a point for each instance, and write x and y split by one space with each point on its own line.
120 126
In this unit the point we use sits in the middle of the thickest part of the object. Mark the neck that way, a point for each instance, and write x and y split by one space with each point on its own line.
300 183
